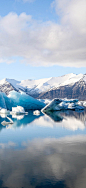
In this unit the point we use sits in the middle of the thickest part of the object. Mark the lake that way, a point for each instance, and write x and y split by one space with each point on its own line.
44 151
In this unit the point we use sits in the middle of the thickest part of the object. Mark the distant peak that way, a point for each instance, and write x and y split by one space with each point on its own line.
3 81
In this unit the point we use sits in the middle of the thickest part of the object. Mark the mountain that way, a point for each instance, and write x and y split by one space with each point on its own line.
69 85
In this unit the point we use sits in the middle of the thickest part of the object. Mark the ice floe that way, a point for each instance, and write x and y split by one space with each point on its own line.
18 110
4 111
36 112
62 104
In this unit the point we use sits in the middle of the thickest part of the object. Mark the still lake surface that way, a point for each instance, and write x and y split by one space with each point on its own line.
45 151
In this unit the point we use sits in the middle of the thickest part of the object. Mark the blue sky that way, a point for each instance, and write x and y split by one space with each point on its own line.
42 38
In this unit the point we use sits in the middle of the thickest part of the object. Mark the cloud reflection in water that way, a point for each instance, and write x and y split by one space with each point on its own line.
45 163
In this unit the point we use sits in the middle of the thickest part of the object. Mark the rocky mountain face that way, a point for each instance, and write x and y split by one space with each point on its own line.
76 91
67 86
7 87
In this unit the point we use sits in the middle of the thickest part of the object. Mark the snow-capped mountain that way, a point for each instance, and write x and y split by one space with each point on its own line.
70 86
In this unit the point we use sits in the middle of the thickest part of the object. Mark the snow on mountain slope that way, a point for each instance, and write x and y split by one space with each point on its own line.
68 79
34 85
42 85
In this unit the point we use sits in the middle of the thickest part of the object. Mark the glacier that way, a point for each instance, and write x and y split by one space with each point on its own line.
15 99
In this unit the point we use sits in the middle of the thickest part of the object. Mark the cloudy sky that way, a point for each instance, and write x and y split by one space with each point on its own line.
42 38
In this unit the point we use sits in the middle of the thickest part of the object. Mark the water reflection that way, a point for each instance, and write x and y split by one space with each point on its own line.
55 115
44 163
60 115
55 160
71 120
19 120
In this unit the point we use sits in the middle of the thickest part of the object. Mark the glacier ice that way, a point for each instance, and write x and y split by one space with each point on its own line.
62 104
24 100
18 110
53 105
36 112
5 102
45 101
15 99
84 103
2 101
4 111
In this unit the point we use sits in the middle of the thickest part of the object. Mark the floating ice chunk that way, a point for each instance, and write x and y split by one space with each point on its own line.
18 110
15 99
4 111
46 101
80 103
3 115
84 103
2 101
70 100
5 102
53 105
62 104
36 112
71 105
24 100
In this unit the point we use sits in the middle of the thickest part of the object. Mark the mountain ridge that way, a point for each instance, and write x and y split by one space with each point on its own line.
69 85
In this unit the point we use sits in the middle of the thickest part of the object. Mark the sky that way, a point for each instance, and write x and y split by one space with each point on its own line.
42 38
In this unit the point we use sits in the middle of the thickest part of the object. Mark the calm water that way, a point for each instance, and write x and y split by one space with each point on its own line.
46 151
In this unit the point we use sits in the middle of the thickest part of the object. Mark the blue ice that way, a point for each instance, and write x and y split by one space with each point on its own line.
15 99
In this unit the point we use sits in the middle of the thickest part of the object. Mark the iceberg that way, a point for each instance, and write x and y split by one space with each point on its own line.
19 103
2 101
84 103
18 110
15 99
24 100
36 112
62 104
5 102
53 105
4 111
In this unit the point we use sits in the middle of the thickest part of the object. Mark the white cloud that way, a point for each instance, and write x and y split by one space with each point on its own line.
72 12
39 43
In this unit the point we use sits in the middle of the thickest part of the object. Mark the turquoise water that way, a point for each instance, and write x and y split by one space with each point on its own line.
43 151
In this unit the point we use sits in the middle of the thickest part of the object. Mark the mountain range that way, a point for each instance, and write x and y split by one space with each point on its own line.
66 86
